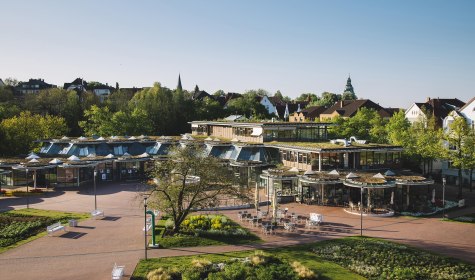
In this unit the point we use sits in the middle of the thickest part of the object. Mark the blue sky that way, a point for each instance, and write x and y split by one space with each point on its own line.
398 52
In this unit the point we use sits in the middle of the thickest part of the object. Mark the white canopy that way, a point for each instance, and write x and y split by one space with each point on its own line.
209 139
32 156
34 160
100 139
109 156
333 172
91 155
55 161
389 173
294 169
310 172
126 154
74 158
82 138
132 138
379 176
352 175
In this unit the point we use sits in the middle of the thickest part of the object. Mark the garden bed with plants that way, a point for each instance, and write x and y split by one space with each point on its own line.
202 230
378 259
346 258
470 218
19 226
296 262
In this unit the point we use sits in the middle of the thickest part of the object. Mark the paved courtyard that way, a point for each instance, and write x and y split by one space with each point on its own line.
90 250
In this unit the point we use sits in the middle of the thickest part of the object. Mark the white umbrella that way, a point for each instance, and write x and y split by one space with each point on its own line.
34 160
126 154
379 176
109 156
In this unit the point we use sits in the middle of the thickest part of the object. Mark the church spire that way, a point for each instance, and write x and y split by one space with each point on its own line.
349 86
178 87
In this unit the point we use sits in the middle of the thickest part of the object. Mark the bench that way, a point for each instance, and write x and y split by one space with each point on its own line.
117 271
55 227
97 213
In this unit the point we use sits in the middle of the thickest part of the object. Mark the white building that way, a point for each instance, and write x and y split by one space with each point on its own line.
467 112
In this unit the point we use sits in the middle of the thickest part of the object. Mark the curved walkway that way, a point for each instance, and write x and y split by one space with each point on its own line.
90 250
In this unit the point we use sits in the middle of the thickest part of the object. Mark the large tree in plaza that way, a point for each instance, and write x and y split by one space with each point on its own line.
187 180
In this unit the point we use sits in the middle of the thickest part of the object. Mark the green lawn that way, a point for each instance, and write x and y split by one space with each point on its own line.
18 227
186 240
345 258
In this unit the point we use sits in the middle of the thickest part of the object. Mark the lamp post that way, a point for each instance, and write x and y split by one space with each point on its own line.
27 195
95 194
444 180
361 212
145 224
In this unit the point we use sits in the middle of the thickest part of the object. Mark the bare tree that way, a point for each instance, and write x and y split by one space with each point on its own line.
189 180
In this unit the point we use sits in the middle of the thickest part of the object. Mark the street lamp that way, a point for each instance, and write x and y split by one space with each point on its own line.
145 224
95 195
27 196
361 212
444 181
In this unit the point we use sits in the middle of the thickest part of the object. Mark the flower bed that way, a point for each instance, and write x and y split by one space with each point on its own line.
258 265
377 259
203 230
19 225
434 210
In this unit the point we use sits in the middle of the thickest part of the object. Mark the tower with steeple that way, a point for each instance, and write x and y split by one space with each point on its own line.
349 93
349 86
178 87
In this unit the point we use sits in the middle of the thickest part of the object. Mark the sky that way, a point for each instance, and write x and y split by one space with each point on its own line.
397 52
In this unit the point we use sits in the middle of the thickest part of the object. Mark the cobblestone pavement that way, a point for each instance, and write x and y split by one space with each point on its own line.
90 250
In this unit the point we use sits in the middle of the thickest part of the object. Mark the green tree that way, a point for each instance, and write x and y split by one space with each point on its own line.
456 137
20 132
248 106
365 124
397 129
158 103
426 142
177 193
209 109
97 121
308 96
328 99
468 150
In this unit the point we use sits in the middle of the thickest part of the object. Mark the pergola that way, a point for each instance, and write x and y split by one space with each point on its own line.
409 193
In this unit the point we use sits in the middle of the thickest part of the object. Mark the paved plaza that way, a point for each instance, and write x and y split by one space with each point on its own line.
90 250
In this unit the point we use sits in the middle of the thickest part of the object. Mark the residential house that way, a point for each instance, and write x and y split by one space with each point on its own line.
285 110
270 103
309 114
439 108
79 85
32 86
348 108
467 112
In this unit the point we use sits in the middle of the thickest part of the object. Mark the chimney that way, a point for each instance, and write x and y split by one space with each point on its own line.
341 103
427 99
